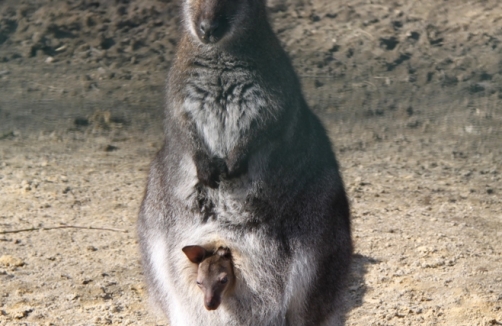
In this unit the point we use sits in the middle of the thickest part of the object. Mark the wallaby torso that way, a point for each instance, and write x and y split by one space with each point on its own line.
245 162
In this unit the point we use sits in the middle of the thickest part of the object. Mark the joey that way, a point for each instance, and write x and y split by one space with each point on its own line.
215 275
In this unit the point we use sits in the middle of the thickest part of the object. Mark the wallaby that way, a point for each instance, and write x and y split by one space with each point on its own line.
215 274
247 164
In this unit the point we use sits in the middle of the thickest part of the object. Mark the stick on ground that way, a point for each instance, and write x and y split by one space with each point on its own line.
63 227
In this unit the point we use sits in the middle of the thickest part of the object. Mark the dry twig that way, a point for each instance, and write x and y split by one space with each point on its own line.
63 227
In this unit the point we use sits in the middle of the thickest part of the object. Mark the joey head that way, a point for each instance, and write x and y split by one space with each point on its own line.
215 275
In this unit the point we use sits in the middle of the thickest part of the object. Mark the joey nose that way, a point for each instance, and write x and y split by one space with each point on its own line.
208 28
211 303
212 306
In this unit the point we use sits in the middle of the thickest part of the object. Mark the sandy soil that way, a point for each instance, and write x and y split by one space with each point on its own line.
411 92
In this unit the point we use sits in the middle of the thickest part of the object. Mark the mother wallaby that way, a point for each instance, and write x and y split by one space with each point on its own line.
245 165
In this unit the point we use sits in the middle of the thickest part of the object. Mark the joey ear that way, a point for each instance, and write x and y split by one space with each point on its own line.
195 254
224 253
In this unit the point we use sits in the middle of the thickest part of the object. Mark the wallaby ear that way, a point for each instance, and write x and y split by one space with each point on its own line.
195 254
224 253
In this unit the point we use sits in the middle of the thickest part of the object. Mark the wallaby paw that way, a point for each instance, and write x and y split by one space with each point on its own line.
237 168
210 170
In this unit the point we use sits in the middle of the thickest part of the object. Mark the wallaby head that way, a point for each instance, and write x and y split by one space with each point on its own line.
215 275
217 21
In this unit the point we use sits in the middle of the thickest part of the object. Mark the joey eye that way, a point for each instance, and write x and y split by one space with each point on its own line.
224 280
198 283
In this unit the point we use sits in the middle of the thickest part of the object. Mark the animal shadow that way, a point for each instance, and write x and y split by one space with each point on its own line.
357 287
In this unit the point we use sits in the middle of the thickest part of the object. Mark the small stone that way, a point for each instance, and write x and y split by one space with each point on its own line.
111 148
11 261
49 60
21 313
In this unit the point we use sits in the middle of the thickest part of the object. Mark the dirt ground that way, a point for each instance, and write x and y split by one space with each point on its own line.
410 91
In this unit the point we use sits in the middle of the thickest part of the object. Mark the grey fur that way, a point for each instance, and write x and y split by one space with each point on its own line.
245 165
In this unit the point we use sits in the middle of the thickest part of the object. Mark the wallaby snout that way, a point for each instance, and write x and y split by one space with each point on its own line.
208 30
211 19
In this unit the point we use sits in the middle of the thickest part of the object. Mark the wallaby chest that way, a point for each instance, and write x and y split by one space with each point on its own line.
223 102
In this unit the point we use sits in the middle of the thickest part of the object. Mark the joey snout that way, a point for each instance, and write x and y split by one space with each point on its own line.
211 300
213 289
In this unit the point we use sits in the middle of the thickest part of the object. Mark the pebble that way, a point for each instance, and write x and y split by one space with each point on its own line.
21 313
11 261
91 248
86 281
